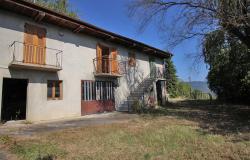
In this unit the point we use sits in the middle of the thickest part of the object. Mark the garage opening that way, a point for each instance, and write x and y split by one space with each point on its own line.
97 97
14 96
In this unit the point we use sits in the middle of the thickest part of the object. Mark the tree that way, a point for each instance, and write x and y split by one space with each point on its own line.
184 89
171 77
170 74
222 25
177 88
229 68
61 6
192 18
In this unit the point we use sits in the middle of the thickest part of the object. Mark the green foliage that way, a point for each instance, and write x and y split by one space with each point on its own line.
61 6
171 77
229 72
137 107
184 89
37 151
199 95
196 93
4 139
178 88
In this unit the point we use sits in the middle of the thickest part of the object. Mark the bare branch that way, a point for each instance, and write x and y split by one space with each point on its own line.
185 19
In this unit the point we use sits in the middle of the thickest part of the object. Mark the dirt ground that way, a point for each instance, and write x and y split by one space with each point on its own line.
183 129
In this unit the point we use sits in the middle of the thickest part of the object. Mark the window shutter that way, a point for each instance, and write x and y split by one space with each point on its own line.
41 45
28 44
34 44
99 59
114 61
131 59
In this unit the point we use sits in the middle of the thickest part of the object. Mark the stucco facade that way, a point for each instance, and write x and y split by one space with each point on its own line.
79 50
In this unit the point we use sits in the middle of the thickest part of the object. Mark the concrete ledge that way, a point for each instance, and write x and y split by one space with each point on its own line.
20 65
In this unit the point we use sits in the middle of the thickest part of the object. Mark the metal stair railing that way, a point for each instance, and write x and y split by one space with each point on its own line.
144 85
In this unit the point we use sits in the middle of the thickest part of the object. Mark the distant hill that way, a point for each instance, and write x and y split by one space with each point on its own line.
200 85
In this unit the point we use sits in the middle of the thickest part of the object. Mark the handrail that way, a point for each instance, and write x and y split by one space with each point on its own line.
106 65
104 57
152 75
36 54
34 45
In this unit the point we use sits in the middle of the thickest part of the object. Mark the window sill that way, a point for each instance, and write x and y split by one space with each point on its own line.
51 99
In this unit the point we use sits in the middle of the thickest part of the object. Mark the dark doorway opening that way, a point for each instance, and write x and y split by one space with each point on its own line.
105 60
14 96
159 92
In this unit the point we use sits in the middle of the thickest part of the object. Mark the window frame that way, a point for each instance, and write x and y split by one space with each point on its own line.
111 60
131 59
34 37
53 82
97 90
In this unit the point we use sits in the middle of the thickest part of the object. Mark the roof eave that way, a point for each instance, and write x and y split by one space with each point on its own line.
39 13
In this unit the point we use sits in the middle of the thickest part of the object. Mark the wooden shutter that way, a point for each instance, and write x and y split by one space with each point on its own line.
41 43
99 59
131 59
28 42
34 44
114 61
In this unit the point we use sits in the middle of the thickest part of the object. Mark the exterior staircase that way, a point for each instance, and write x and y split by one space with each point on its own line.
144 87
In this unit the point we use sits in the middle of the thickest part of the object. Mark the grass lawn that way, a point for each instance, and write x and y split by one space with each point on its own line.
176 132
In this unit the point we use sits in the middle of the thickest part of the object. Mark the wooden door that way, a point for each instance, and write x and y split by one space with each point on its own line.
99 59
114 61
34 45
106 62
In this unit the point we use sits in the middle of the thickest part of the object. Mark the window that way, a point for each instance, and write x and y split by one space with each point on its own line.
97 90
131 59
106 59
54 89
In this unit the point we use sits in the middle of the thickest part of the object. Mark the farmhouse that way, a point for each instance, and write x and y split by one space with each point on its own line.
53 66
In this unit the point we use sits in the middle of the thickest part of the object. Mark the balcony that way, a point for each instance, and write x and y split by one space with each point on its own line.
108 67
158 73
28 56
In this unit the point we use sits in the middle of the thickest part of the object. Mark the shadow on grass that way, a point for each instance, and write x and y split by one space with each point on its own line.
212 117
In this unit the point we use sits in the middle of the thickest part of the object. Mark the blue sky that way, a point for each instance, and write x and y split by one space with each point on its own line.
112 15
